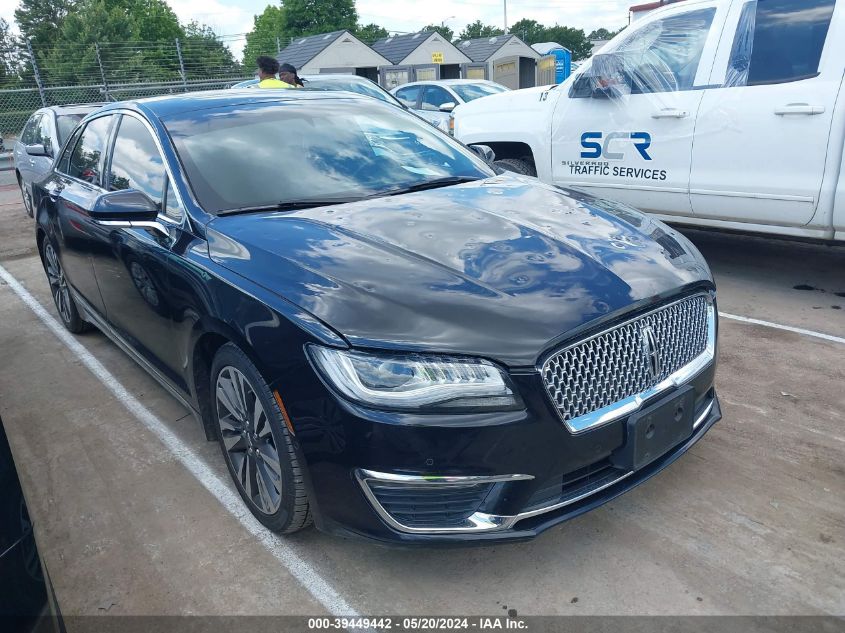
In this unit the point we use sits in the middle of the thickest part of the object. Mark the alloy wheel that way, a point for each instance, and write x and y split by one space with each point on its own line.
248 440
27 200
58 283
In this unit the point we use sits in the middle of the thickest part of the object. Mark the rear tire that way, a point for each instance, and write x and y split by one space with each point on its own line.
518 166
256 443
27 199
59 288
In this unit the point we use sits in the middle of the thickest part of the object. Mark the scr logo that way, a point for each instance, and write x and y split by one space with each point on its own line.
593 147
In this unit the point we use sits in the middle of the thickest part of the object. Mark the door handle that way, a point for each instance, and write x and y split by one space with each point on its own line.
799 108
670 113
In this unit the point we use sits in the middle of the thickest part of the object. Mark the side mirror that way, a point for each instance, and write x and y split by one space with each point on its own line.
485 152
448 106
126 206
36 149
607 76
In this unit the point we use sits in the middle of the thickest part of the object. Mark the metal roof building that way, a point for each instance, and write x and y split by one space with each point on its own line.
335 52
510 61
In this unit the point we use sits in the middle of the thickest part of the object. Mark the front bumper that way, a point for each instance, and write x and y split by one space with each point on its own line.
504 477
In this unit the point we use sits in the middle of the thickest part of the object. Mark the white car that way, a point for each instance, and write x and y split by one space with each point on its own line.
435 100
720 113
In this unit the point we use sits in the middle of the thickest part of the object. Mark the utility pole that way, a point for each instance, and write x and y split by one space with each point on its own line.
505 2
102 71
181 65
36 74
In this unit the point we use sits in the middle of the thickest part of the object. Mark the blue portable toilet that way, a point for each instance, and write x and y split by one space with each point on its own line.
563 58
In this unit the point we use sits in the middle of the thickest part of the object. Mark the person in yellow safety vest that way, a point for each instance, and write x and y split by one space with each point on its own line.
267 69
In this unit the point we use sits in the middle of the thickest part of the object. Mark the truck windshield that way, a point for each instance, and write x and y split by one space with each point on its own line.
264 154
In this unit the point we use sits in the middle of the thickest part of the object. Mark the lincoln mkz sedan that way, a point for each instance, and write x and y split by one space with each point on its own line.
385 335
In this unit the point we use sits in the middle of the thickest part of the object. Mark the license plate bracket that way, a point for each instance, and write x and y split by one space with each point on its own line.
657 428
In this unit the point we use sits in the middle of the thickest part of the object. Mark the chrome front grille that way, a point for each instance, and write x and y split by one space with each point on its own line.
609 375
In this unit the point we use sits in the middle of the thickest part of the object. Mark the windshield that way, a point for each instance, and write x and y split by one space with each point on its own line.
470 92
268 153
65 124
361 87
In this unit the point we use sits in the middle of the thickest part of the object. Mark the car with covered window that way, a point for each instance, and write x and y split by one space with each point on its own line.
435 100
384 335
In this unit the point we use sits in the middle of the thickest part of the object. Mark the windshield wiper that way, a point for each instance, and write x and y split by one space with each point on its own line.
290 205
430 184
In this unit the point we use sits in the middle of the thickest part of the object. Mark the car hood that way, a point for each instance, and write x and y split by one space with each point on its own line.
500 268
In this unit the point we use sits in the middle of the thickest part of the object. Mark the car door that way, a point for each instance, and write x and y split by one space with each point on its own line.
761 139
624 128
432 98
132 264
73 187
23 161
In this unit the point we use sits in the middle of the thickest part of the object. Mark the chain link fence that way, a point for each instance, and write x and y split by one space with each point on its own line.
114 72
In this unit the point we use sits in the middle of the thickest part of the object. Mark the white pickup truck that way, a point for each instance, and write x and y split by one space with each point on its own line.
721 113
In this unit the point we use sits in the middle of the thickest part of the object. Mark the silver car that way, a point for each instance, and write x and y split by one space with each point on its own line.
435 100
43 135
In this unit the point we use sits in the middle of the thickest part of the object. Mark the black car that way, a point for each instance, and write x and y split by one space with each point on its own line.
23 594
383 333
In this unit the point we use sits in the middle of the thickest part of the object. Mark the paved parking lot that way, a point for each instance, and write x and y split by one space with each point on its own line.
134 513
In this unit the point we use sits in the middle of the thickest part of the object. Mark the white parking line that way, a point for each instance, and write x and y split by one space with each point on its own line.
788 328
298 567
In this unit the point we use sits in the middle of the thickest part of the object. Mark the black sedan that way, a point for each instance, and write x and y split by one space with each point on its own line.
384 335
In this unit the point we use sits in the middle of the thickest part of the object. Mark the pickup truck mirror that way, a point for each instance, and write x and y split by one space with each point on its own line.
36 149
125 206
485 152
448 106
606 77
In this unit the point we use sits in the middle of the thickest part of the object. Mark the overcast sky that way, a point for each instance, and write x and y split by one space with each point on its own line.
235 16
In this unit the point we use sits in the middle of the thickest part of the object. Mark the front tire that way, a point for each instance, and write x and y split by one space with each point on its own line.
59 288
256 443
517 165
27 200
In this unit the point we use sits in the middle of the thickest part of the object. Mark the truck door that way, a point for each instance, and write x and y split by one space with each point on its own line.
624 130
762 136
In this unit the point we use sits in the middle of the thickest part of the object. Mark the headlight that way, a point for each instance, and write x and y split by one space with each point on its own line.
416 382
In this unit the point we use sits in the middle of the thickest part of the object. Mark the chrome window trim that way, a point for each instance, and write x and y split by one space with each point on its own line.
629 405
480 521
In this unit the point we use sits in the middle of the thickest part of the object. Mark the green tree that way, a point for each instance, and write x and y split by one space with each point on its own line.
573 39
602 34
204 55
262 40
41 20
529 31
369 33
9 67
447 33
136 39
309 17
479 29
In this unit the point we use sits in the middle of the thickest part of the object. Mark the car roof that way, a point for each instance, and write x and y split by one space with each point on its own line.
451 82
167 105
73 108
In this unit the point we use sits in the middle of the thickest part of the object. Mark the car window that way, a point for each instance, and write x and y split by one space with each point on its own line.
469 92
86 159
29 130
136 162
64 161
42 134
434 97
264 154
172 208
663 56
758 54
409 95
65 124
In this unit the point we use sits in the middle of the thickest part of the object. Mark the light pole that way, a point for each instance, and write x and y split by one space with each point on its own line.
505 3
443 22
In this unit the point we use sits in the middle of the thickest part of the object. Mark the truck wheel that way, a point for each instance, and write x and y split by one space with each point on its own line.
517 165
